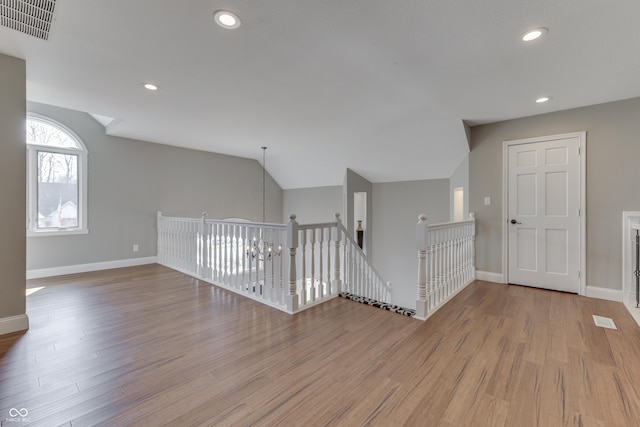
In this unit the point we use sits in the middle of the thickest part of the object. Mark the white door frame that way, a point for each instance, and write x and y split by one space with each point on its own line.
582 137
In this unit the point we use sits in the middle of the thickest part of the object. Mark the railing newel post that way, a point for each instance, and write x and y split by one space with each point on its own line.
422 242
160 235
292 244
472 217
202 250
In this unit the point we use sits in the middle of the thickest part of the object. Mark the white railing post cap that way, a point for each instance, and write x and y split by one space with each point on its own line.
422 232
292 233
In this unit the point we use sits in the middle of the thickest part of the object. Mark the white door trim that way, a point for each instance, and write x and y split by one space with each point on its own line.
582 136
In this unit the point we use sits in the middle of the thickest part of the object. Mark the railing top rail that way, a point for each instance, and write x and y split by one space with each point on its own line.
247 223
235 221
178 218
317 225
450 224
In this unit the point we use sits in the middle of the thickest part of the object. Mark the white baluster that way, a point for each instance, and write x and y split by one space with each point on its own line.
215 238
440 265
235 257
337 283
242 256
183 249
272 256
303 245
450 264
320 245
251 242
347 265
312 242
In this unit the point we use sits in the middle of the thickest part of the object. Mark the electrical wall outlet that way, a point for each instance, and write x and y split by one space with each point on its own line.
136 248
487 200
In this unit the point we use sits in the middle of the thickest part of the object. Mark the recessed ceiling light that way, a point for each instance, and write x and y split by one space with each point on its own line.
534 34
150 86
543 99
226 19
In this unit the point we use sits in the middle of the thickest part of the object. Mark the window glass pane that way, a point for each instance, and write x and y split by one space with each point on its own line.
42 133
57 190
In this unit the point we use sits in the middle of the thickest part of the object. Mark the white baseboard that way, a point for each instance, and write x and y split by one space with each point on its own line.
94 266
14 324
604 293
487 276
633 310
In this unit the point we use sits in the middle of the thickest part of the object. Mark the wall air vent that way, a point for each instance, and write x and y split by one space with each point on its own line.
32 17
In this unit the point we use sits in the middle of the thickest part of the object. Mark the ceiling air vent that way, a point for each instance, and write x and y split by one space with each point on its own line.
32 17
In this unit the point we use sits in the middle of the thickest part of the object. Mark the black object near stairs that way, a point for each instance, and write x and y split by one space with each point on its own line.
382 305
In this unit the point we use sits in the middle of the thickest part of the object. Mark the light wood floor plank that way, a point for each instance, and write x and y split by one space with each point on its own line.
150 346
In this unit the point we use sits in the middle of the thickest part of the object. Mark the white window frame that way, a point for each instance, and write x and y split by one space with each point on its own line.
32 181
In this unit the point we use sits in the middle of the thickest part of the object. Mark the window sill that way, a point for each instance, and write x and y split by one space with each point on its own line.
57 232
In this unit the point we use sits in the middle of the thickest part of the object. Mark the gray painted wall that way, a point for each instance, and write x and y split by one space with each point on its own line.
312 205
396 207
460 178
130 180
613 174
12 186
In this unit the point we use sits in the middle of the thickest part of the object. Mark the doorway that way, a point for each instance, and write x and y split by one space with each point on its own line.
360 218
544 212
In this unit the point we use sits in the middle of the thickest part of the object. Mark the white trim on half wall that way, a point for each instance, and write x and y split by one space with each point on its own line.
84 268
14 324
604 293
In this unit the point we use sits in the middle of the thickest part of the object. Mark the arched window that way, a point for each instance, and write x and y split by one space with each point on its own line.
57 179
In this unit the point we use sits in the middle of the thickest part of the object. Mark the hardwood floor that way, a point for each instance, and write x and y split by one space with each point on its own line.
150 346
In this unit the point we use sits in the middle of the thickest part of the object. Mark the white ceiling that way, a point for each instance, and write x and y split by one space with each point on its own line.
380 87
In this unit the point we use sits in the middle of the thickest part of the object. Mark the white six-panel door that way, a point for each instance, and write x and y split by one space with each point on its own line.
544 194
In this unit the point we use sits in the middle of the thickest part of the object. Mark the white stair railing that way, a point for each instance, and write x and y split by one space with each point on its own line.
251 259
323 260
360 277
446 262
240 256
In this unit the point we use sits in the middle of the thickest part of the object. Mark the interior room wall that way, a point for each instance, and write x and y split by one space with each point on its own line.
613 174
396 206
13 190
130 180
312 205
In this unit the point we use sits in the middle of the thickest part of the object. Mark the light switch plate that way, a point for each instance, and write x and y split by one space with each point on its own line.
487 201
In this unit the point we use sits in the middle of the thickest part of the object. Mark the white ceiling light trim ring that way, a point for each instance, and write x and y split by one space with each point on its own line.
226 19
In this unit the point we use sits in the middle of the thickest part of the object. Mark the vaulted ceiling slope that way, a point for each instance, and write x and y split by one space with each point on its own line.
381 87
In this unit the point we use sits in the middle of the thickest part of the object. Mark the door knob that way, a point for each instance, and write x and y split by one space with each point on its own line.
513 221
